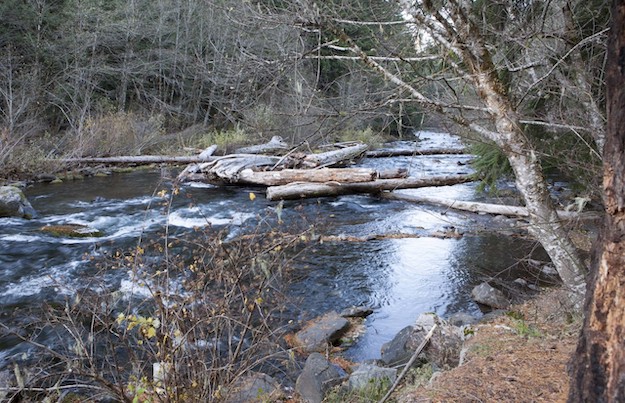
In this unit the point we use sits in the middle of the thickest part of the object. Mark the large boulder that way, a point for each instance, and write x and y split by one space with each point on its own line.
317 377
486 294
317 334
396 351
13 203
442 350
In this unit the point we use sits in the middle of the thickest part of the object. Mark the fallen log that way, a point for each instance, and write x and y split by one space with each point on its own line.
367 238
488 208
139 159
228 169
275 144
301 190
208 152
341 175
330 158
337 157
413 152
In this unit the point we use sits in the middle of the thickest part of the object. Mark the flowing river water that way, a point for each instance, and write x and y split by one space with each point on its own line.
398 278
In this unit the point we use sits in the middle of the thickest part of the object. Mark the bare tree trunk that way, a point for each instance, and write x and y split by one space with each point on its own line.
599 363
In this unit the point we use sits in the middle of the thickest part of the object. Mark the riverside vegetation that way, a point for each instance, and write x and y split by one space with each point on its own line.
524 81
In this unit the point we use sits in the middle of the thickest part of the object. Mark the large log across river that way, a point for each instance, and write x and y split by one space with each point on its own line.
301 190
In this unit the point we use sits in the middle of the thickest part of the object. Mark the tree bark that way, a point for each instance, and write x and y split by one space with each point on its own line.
599 364
307 190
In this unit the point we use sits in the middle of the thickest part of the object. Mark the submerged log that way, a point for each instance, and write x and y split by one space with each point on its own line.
413 152
275 144
477 207
301 190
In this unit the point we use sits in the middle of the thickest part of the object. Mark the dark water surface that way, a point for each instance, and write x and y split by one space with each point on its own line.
399 278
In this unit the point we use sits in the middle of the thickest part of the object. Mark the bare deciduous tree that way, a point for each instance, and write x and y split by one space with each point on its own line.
486 66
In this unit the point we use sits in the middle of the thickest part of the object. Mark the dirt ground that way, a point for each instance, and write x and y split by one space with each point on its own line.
518 357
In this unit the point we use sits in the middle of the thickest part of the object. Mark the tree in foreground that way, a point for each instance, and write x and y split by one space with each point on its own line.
599 364
487 68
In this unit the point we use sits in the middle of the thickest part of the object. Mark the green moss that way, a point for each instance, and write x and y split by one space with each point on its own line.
71 231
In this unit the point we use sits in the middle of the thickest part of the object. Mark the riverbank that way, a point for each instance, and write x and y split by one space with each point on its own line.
522 355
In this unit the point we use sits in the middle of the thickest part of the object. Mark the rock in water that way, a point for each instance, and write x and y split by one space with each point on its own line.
321 331
487 295
72 231
13 203
356 312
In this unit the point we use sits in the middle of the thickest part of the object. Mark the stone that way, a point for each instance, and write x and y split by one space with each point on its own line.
13 203
485 294
320 332
367 374
317 377
442 350
395 352
255 387
490 316
461 319
71 231
356 312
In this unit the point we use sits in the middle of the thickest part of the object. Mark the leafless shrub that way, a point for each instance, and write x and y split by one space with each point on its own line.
196 313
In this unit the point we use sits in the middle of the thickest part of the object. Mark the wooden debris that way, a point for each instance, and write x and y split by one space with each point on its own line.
413 152
274 145
301 190
477 207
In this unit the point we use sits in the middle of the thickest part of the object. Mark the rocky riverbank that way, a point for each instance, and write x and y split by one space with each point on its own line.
514 355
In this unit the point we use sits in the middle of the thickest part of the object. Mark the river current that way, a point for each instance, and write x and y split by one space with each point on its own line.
398 278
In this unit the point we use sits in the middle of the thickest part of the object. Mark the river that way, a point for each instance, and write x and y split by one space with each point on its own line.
398 278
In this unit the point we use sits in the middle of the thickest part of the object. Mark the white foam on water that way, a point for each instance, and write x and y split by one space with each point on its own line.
193 218
58 277
134 287
200 185
20 238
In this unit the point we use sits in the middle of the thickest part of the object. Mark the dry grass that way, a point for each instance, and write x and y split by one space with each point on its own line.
517 358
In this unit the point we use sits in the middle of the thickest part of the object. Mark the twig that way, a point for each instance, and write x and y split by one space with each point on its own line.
409 364
52 388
